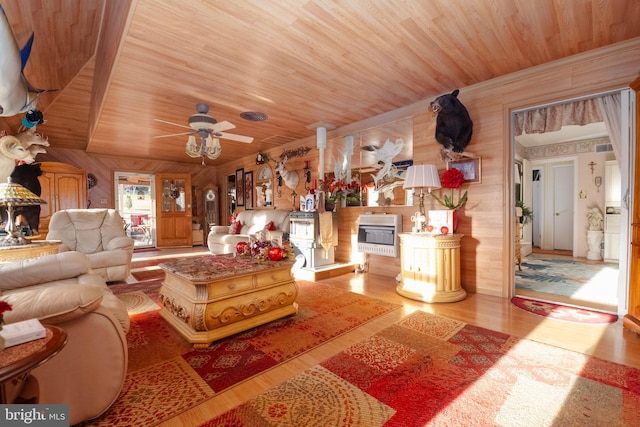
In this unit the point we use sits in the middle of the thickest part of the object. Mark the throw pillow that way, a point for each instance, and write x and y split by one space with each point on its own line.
270 226
235 227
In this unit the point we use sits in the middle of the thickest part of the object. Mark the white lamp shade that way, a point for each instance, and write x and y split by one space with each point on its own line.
422 176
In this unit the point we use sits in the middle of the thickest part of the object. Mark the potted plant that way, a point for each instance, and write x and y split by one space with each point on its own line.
527 213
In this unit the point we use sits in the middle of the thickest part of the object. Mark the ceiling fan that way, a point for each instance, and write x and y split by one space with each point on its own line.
209 130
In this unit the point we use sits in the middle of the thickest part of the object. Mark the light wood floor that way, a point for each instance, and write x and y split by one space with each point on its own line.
610 342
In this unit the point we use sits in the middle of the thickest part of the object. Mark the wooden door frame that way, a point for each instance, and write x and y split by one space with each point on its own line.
632 318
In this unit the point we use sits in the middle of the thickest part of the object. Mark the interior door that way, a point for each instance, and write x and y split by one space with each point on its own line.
632 319
173 210
563 207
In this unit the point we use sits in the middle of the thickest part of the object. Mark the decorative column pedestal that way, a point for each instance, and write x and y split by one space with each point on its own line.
594 238
430 267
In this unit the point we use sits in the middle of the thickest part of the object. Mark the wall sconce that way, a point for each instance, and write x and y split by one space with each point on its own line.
279 185
307 174
598 182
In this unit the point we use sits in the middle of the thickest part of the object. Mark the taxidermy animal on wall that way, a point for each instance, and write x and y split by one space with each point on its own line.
384 156
32 142
290 178
11 150
453 124
22 147
16 93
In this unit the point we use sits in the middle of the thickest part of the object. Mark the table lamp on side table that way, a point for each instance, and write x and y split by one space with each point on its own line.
12 195
421 176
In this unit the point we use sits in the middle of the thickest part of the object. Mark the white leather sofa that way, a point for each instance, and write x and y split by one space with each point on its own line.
98 233
88 373
220 241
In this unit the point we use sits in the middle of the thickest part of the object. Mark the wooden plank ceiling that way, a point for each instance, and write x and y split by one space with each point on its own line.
119 65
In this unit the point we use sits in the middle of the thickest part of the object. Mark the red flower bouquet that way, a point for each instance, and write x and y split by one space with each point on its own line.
4 306
452 178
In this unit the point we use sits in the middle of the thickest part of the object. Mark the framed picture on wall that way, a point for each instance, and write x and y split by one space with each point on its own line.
239 187
248 190
470 168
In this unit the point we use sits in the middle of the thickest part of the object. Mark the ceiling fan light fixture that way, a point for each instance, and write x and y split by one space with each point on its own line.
254 116
213 148
191 148
201 121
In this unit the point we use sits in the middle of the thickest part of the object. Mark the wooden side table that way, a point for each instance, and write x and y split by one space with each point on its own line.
430 267
35 249
17 385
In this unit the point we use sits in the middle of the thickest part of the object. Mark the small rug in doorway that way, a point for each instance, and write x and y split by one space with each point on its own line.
569 278
563 312
427 370
167 376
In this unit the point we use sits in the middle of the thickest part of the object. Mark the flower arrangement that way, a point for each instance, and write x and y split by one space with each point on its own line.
337 189
452 178
262 249
4 306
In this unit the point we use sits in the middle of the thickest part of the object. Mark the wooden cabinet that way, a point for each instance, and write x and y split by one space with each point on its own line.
63 187
197 237
430 267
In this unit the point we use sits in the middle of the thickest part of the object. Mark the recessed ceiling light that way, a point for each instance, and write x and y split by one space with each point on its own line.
254 116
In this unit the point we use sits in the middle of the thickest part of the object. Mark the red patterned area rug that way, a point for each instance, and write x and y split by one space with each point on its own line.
563 312
427 370
166 376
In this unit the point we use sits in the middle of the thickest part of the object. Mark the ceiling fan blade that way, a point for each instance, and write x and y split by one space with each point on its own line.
171 123
222 126
234 137
174 134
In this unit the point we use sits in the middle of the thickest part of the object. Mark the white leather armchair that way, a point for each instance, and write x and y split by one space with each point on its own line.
89 372
98 233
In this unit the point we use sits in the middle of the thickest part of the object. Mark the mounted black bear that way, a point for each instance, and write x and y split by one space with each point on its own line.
453 125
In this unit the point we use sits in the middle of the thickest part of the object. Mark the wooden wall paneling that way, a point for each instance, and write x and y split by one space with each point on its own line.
117 15
485 253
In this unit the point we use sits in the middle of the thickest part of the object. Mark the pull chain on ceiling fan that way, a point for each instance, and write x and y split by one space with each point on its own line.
210 132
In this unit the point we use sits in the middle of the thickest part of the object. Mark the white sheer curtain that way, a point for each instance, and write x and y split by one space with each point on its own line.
611 107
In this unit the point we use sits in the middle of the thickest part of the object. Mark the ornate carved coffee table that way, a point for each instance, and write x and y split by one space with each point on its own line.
210 297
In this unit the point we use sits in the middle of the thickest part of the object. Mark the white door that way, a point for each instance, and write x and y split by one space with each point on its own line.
563 207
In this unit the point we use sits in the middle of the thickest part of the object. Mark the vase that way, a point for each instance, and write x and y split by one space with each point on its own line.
329 206
454 217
